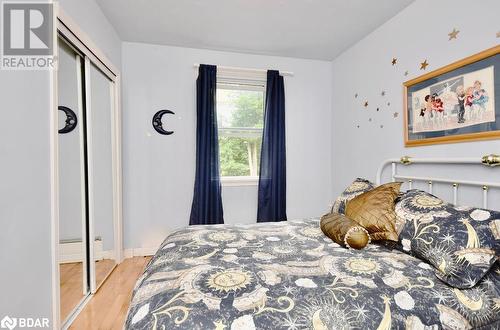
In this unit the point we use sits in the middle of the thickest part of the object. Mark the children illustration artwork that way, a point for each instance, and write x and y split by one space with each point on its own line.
457 102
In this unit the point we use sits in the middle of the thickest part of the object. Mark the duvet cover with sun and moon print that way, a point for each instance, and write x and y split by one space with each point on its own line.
289 275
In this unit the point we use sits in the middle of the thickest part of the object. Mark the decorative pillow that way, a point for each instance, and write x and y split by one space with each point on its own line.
344 231
374 211
356 188
462 243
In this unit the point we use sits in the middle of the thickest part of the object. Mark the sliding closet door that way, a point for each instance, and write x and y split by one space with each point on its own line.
74 280
100 118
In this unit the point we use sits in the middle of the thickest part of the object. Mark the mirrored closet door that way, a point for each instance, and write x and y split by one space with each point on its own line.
100 94
73 270
88 159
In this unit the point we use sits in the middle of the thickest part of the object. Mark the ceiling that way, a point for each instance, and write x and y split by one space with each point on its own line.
315 29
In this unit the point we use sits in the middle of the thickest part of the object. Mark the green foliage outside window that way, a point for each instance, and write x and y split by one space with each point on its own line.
240 154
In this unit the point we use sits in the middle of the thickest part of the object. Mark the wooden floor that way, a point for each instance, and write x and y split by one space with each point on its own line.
108 307
71 282
102 269
71 286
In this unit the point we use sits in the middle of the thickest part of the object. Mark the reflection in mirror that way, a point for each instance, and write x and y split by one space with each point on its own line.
74 283
101 109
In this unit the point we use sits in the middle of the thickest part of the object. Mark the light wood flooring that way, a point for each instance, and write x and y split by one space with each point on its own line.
102 269
71 282
108 307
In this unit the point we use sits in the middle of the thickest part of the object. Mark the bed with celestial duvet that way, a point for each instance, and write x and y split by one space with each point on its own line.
289 275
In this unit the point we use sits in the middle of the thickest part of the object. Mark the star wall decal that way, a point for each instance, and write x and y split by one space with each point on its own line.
424 65
357 126
394 61
356 95
381 126
395 115
453 34
382 93
370 120
378 109
366 104
406 73
388 104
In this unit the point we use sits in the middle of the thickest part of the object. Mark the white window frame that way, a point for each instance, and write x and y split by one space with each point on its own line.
239 181
241 79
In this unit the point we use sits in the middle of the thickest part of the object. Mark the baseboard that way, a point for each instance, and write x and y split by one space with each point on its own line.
139 252
70 252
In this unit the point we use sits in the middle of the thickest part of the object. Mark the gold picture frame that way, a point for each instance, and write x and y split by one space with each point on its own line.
455 103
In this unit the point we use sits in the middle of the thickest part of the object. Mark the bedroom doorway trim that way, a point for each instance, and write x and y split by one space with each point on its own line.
65 27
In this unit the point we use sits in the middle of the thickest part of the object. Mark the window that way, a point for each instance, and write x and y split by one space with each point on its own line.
240 120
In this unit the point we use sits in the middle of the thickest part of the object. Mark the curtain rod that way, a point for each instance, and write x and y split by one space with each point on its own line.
283 73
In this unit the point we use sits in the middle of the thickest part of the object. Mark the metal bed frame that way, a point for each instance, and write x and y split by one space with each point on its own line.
491 161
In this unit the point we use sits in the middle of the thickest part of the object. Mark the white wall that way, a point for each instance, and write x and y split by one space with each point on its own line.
419 32
25 246
90 18
159 170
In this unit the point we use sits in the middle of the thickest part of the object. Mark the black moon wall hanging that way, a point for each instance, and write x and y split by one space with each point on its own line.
71 120
157 124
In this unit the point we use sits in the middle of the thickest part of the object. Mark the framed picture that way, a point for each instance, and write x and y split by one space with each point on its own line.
459 102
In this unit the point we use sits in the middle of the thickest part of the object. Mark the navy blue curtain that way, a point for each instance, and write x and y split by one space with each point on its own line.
272 179
207 201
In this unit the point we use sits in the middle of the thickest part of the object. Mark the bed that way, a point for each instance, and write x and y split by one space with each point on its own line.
289 275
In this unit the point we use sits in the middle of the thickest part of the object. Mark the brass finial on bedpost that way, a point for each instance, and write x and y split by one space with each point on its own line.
405 160
491 160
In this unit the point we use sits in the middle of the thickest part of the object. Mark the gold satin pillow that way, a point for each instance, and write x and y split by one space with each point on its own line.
374 210
344 231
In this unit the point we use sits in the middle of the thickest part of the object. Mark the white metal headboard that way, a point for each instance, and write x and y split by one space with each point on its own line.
489 161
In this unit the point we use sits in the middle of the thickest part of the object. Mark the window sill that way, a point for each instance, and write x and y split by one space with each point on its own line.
239 181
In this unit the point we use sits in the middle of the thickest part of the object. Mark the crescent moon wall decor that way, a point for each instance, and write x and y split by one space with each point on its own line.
157 123
71 120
